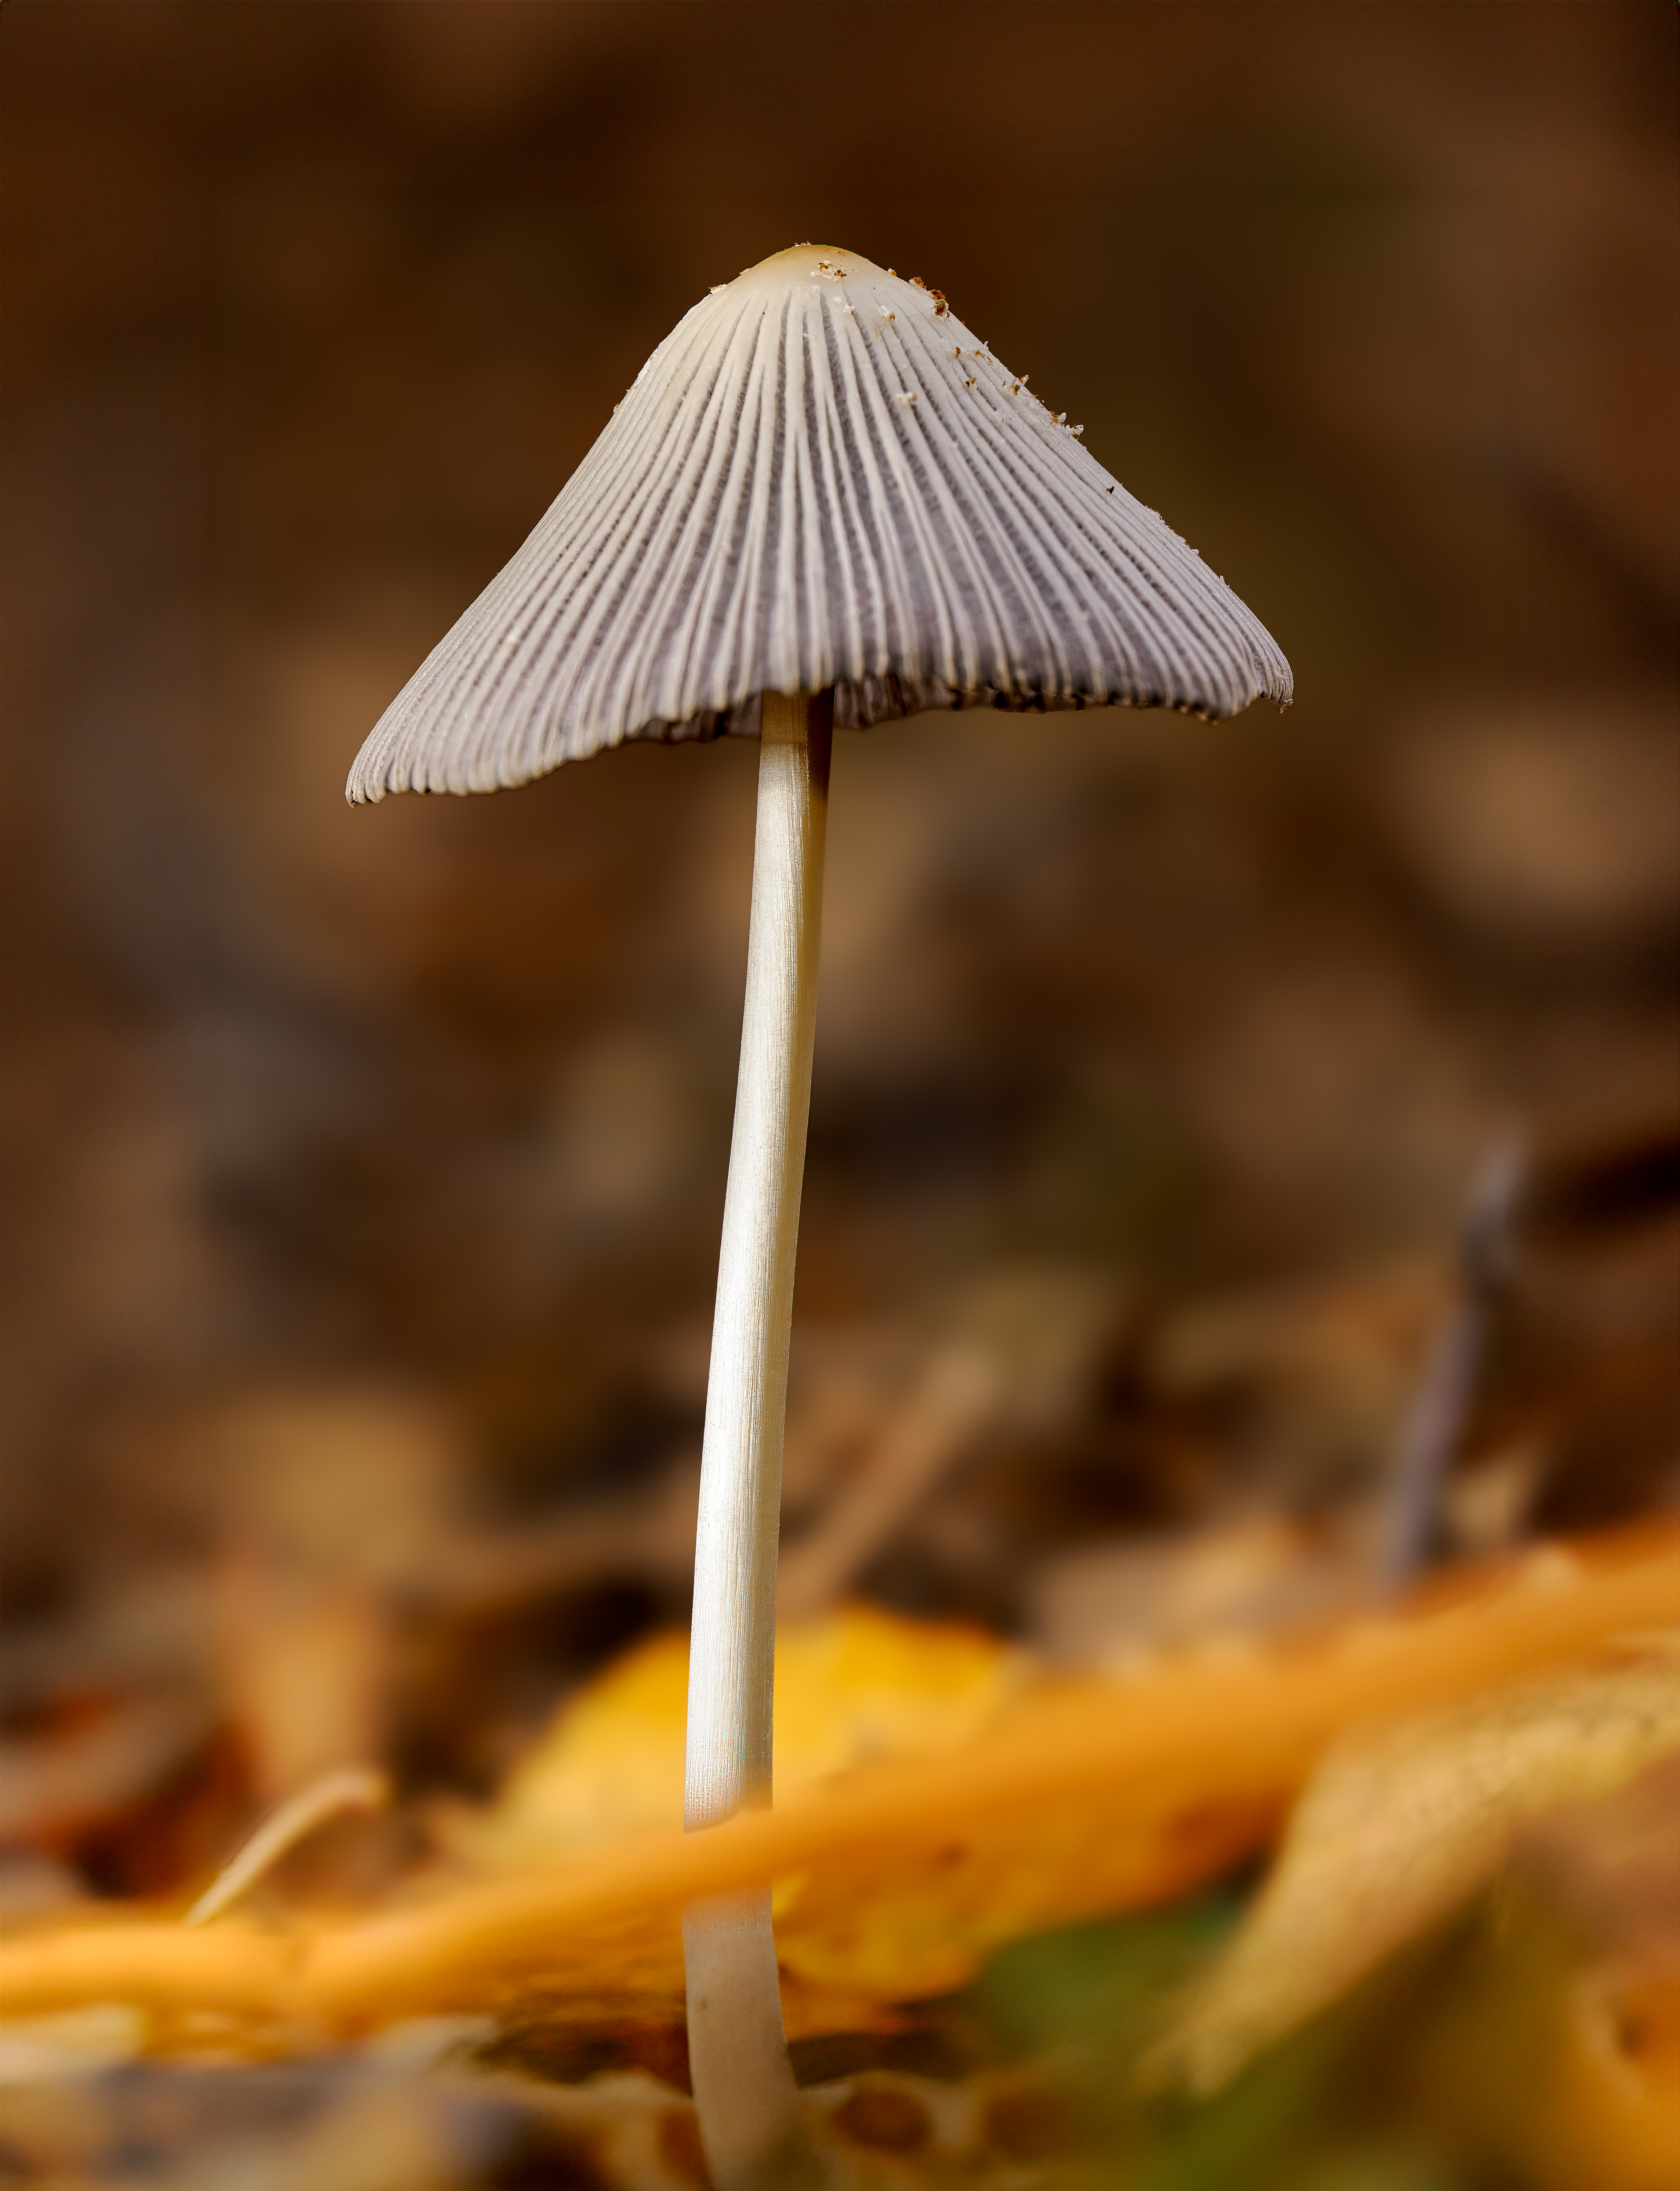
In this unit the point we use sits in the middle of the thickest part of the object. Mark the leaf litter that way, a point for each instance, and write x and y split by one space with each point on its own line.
529 1984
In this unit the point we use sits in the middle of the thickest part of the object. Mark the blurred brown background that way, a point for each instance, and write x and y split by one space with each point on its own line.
364 1169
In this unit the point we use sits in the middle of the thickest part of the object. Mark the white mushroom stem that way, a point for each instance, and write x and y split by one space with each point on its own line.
751 2122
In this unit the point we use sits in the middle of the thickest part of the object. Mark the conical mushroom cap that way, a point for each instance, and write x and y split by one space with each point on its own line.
821 477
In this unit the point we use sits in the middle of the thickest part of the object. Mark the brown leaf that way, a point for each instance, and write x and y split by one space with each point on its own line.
1399 1825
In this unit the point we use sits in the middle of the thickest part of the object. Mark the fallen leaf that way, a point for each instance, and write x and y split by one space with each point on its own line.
1399 1826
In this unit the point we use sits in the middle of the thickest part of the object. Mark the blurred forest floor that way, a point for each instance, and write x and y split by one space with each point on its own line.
363 1170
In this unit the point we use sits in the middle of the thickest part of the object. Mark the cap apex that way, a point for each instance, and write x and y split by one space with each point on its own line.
805 262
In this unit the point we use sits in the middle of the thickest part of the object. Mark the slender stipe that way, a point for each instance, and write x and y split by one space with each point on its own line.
751 2122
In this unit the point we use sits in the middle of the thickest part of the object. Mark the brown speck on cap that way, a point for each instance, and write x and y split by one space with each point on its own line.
661 599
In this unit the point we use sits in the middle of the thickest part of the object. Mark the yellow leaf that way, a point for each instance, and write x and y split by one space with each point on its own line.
853 1689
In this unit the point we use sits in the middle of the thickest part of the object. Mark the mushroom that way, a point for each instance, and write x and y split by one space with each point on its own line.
823 503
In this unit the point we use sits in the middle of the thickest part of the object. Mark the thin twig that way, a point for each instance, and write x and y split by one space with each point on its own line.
1435 1422
954 1400
347 1788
